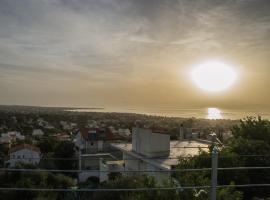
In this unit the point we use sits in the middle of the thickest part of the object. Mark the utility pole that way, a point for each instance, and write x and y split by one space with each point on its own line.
214 173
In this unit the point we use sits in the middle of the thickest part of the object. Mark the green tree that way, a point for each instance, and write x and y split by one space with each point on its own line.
229 193
142 181
64 155
34 180
250 137
3 153
47 145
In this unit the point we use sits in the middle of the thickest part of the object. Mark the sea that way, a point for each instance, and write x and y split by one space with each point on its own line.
204 113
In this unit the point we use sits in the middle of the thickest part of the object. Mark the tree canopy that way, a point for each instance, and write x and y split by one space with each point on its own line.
249 146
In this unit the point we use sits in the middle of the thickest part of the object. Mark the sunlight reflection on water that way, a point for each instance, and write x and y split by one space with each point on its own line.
214 113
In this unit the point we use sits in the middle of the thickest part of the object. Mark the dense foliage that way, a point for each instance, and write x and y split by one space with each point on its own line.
249 146
34 180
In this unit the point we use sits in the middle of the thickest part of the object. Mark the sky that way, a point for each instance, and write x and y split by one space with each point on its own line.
132 53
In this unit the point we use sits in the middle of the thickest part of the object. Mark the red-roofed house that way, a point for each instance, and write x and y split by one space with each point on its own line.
24 153
90 140
93 140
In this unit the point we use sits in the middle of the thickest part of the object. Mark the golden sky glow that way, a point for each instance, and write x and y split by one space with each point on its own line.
133 53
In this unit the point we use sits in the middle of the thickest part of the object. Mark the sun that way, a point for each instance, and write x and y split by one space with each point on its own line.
214 76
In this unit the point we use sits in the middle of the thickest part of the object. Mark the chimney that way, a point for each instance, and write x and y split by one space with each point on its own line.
181 132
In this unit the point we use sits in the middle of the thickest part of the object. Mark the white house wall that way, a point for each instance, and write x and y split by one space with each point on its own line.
134 164
25 156
150 144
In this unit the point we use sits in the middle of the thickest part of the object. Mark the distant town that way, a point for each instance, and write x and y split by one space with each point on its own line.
95 149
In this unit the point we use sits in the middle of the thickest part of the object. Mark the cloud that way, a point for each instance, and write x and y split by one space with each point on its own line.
126 41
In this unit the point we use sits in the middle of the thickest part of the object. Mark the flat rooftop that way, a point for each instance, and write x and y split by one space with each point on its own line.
178 149
117 162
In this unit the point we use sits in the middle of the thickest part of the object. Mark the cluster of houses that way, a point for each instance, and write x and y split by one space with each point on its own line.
105 150
91 142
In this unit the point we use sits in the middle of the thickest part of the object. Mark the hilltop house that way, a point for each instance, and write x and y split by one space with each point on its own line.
24 153
90 140
94 140
92 143
152 151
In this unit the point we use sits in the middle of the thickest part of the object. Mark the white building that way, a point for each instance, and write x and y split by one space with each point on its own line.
11 136
92 124
44 124
24 153
37 133
5 139
73 125
155 152
124 132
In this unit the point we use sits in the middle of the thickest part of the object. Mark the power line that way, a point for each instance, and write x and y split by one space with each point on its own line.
130 171
246 185
127 189
243 168
156 158
101 171
102 189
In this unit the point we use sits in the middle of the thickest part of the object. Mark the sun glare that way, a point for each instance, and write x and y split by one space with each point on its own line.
214 113
213 76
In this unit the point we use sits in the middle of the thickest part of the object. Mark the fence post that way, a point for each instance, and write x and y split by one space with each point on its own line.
214 173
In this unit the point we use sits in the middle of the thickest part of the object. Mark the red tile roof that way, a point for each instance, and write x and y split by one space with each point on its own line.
86 132
23 146
98 134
